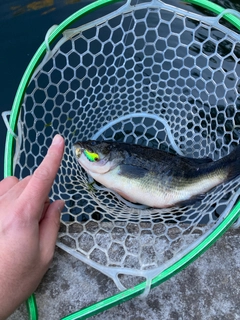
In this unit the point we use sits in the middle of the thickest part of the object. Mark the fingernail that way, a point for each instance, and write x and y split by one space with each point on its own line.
57 139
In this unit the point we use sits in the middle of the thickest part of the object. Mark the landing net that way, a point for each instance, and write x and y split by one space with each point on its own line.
147 73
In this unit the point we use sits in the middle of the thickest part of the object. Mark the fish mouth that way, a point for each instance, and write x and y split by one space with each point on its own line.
77 150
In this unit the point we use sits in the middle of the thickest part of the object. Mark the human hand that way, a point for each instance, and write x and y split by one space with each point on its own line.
28 230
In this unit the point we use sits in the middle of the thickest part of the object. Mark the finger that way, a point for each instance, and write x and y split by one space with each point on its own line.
48 229
7 183
16 190
42 179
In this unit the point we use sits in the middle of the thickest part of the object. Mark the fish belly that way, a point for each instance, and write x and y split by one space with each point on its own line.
152 192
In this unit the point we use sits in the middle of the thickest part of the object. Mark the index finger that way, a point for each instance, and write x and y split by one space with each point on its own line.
42 179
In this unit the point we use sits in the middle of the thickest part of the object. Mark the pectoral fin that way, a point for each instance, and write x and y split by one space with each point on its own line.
133 172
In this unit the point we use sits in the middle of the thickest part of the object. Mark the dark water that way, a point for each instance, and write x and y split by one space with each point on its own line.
23 25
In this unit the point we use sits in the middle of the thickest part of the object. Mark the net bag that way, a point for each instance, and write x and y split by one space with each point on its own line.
146 73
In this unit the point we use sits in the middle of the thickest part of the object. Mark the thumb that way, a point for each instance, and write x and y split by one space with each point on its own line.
48 229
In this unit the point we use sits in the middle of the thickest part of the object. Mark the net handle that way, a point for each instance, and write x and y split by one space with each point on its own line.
8 166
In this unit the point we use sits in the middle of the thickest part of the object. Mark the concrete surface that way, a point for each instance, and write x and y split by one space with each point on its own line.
207 289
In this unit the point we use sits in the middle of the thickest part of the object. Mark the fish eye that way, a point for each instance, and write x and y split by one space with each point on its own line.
91 156
93 143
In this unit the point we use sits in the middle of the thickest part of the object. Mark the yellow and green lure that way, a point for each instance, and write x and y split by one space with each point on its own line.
91 156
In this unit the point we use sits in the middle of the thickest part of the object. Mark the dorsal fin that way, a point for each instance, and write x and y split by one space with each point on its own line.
194 161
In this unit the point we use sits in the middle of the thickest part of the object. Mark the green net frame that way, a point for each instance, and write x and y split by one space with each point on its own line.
9 153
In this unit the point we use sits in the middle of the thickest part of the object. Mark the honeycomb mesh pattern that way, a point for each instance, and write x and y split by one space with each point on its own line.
150 75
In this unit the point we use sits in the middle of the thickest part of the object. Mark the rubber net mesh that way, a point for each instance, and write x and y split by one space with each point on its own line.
148 74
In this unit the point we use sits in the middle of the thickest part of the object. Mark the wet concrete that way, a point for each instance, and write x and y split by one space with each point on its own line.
207 289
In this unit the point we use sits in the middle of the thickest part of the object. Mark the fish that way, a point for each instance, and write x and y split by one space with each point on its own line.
153 177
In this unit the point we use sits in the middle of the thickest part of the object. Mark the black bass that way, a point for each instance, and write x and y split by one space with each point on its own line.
153 177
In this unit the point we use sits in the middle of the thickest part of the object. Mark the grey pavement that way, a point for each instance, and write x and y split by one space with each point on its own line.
207 289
